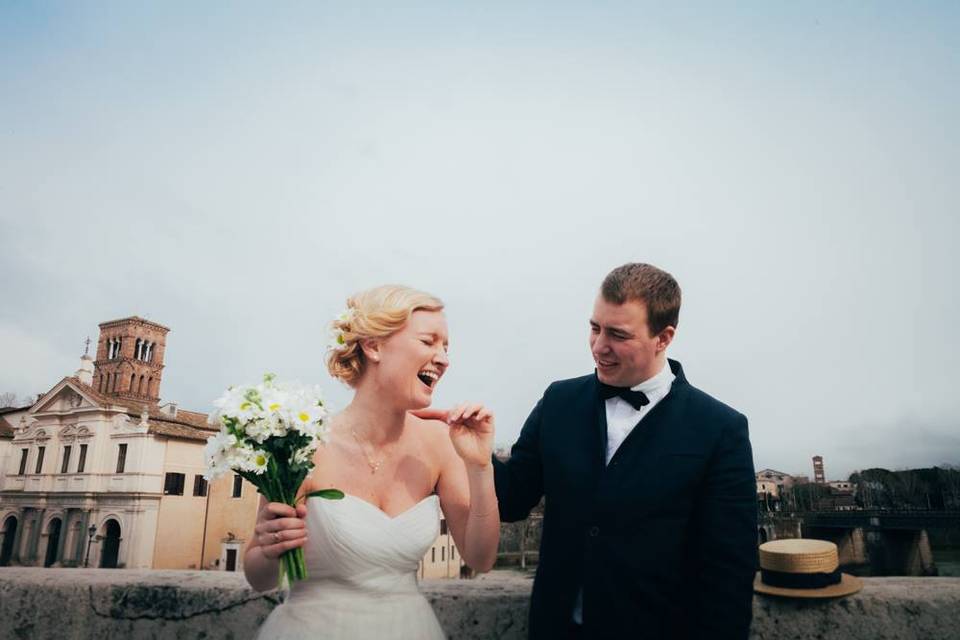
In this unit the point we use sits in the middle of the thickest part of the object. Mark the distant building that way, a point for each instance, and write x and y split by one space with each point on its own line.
841 486
9 418
770 488
779 478
818 475
839 501
442 559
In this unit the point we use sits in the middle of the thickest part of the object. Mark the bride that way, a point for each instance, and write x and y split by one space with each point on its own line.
398 471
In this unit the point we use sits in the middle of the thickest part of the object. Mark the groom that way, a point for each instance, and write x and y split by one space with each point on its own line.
649 529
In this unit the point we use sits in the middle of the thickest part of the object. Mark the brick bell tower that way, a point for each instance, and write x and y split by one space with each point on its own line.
129 360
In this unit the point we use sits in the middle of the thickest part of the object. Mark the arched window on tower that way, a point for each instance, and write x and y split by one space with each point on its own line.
150 386
149 357
133 379
140 386
115 346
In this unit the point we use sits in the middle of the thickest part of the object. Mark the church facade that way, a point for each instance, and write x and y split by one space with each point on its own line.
97 472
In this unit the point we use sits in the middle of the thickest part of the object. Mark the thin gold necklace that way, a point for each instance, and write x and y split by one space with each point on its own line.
373 464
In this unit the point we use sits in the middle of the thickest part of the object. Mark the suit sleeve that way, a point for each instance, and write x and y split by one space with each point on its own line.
519 480
727 539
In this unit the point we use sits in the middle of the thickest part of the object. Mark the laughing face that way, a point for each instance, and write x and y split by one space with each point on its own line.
624 350
413 359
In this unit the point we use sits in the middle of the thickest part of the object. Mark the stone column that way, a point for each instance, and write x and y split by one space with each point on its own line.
21 523
35 538
30 513
64 532
82 538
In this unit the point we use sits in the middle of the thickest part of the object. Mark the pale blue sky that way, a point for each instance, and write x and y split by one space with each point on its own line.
233 171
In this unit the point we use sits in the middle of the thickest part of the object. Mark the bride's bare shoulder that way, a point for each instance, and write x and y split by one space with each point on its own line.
323 462
433 435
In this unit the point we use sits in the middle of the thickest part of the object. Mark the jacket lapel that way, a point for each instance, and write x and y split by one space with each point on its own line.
667 411
600 422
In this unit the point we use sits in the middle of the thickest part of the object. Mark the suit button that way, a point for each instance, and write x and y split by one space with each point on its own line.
594 532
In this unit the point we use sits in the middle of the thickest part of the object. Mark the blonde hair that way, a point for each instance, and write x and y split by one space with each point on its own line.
374 313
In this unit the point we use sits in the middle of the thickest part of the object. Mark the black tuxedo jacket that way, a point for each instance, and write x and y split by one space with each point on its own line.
662 540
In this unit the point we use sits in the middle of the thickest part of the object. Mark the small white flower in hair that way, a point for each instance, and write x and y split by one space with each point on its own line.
337 340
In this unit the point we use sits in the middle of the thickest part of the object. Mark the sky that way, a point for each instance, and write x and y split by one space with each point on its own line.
234 171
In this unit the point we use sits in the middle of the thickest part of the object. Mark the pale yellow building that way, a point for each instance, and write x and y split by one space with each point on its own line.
768 488
774 477
442 559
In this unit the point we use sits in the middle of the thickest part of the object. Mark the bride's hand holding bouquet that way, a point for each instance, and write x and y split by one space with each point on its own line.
268 435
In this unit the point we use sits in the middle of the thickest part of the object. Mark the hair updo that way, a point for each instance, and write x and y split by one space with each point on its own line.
374 313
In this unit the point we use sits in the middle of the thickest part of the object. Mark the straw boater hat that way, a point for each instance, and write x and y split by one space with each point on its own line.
802 569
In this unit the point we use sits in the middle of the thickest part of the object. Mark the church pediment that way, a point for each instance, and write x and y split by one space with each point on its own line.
64 398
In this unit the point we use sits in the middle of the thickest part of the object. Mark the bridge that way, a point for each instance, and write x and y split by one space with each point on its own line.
870 542
883 520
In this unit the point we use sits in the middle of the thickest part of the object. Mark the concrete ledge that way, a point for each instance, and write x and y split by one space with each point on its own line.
101 603
886 609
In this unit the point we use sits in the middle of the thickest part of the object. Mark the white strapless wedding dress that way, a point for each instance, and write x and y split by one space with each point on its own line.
361 575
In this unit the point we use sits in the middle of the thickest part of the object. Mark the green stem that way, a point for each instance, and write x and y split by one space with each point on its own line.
271 486
292 564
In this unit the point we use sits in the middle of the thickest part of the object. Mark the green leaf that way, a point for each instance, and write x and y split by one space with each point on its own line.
328 494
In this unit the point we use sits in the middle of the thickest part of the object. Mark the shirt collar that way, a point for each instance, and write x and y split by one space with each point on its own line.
657 382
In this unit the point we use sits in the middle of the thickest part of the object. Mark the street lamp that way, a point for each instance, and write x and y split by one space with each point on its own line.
92 531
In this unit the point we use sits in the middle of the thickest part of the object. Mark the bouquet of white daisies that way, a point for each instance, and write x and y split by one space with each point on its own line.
268 435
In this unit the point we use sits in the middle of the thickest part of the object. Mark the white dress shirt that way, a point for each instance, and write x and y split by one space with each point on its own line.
622 418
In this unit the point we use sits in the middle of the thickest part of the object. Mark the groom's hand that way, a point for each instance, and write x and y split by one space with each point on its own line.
471 430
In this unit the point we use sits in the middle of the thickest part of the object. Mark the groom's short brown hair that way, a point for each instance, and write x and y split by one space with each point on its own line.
645 283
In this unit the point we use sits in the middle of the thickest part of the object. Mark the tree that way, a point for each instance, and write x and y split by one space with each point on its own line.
935 488
8 399
808 497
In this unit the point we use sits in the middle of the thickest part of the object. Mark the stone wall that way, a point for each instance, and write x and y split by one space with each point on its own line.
82 604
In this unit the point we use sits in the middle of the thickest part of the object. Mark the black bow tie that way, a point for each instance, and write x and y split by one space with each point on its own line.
637 399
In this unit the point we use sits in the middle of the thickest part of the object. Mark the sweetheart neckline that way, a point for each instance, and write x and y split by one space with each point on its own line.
384 513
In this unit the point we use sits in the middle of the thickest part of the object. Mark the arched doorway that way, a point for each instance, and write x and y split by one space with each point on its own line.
761 535
9 533
111 545
53 542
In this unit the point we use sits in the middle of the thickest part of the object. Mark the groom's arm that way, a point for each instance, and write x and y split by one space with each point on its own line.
519 480
727 539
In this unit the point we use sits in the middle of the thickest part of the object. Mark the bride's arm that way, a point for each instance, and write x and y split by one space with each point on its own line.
465 486
279 528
